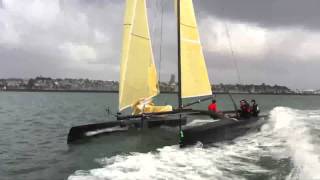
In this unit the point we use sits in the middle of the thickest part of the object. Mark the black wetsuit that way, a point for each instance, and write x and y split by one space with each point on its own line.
255 110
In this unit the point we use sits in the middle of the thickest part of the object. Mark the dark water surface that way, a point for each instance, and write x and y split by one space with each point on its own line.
34 127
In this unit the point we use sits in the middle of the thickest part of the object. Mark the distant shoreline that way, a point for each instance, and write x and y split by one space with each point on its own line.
163 92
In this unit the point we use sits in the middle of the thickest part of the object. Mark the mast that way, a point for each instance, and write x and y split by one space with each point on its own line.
179 55
179 72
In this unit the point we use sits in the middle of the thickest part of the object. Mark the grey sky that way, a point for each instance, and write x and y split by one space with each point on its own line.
270 13
274 41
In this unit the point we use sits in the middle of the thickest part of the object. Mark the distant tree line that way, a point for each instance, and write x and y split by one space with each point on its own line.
68 84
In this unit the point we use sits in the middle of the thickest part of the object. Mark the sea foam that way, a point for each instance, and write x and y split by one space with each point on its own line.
286 135
291 126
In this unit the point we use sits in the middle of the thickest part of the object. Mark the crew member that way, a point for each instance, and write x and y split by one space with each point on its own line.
213 106
254 108
244 109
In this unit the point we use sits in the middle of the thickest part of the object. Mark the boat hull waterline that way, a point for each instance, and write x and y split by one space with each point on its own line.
222 129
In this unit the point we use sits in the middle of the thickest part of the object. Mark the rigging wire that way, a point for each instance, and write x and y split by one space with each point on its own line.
232 52
161 38
233 56
156 14
152 13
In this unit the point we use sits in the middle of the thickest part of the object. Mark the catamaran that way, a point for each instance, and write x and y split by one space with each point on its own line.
139 83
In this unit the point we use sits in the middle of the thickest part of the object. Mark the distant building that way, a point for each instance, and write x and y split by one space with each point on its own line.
14 83
3 88
68 84
172 79
308 91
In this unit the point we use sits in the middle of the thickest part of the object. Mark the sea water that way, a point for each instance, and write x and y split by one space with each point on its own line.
34 127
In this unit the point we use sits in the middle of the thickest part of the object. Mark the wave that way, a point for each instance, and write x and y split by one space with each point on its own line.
293 127
283 149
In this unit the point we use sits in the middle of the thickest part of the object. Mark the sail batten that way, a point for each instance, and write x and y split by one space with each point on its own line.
147 38
194 76
138 76
195 27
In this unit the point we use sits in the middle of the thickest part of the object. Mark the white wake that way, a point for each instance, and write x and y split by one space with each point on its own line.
286 135
291 126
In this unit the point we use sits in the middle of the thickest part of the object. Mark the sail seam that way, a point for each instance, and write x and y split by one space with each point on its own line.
194 27
140 36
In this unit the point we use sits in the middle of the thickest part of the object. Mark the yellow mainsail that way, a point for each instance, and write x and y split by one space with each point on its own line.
138 76
194 76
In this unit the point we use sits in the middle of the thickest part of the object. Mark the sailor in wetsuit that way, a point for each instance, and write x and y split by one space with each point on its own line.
254 108
244 109
213 106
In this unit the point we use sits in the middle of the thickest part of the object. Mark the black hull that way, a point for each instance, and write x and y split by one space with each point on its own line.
93 130
80 132
222 130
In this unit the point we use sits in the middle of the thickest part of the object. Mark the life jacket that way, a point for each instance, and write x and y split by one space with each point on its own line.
245 110
213 107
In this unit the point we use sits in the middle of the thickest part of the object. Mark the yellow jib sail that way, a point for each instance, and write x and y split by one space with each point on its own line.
138 76
194 76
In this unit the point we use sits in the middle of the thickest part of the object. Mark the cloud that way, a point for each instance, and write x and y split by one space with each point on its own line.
271 13
252 41
78 52
9 35
220 36
286 56
63 37
273 41
36 12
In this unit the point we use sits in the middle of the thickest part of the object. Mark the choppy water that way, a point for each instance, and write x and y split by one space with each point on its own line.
34 127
